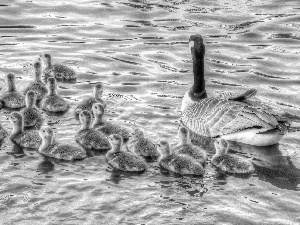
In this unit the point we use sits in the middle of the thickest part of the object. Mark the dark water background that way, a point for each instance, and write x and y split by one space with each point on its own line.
139 50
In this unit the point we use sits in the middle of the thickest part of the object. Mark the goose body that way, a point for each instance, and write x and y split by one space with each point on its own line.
32 116
235 118
57 71
122 160
12 98
90 138
106 127
87 103
53 102
141 145
24 138
228 162
37 85
178 163
54 149
187 148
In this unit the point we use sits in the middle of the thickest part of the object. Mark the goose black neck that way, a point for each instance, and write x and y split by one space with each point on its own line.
198 70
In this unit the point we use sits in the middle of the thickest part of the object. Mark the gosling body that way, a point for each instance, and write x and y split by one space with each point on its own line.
178 163
55 149
141 145
90 138
57 71
53 102
32 116
106 127
87 103
12 98
37 85
228 162
122 160
187 148
27 138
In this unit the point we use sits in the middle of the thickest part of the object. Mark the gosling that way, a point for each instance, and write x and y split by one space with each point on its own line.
228 162
86 104
122 160
55 149
182 164
37 85
187 148
53 102
27 138
12 98
32 116
141 145
106 127
57 71
90 138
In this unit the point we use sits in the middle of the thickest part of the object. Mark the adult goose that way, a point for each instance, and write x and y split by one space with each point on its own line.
237 118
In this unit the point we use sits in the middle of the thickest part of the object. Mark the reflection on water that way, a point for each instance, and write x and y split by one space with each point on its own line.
139 51
271 165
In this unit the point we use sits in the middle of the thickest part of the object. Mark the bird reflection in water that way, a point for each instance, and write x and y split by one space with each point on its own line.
46 166
270 165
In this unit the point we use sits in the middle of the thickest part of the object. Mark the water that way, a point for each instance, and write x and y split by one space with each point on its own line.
139 50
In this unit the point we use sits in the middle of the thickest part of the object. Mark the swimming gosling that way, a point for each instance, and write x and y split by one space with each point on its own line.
187 148
107 127
228 162
32 116
24 138
52 148
122 160
141 145
53 102
37 85
178 163
12 98
90 138
58 71
87 103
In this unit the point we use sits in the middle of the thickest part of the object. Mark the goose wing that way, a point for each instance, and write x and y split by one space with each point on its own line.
217 116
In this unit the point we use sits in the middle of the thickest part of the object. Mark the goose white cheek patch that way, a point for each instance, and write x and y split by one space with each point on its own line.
191 45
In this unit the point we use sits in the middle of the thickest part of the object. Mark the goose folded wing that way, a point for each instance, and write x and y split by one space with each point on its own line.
214 116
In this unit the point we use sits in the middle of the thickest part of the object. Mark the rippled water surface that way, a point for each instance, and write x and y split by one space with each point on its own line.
139 50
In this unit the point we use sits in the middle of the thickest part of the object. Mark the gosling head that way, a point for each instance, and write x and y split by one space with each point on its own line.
163 148
98 91
196 45
184 135
85 117
98 109
47 59
46 134
30 98
115 140
16 119
221 146
137 133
